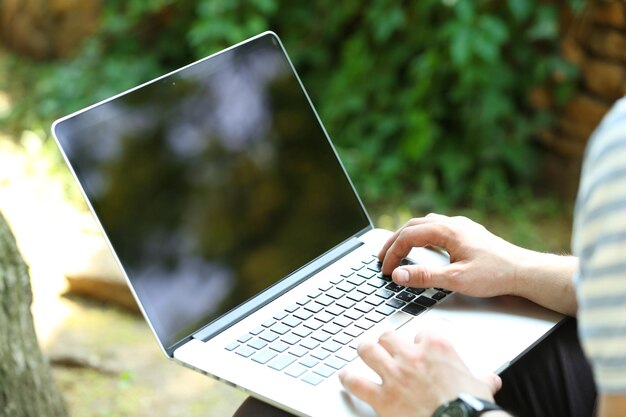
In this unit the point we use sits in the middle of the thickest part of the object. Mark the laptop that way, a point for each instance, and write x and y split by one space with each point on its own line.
245 243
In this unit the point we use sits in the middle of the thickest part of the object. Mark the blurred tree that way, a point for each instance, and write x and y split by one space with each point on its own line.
26 385
47 28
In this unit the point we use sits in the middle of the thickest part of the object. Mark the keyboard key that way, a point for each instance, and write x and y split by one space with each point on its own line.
324 317
258 344
336 280
384 293
298 351
345 303
309 362
232 346
416 291
405 296
313 379
324 371
314 307
291 321
366 273
313 324
413 309
332 328
336 363
342 321
321 336
303 314
279 346
281 315
347 354
364 324
353 314
392 286
320 354
374 300
395 303
326 286
310 343
335 293
282 362
376 282
425 301
268 336
356 296
292 308
366 289
269 323
280 328
264 356
296 370
292 339
245 351
356 280
301 331
364 307
353 331
368 261
386 310
440 295
342 338
357 267
325 300
346 274
375 317
303 301
245 338
345 286
257 330
315 293
335 310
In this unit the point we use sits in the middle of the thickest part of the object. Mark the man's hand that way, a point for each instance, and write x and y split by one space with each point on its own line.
481 263
416 377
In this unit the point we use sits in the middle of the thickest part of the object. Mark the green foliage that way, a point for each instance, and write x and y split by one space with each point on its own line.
427 102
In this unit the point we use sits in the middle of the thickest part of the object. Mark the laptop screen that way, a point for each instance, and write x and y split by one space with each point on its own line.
212 183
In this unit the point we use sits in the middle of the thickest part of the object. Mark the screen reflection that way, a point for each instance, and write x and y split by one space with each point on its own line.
212 184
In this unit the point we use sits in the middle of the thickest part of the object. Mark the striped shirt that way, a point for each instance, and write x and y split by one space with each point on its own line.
599 240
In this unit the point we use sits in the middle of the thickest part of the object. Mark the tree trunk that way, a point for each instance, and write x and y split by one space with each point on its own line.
47 28
26 385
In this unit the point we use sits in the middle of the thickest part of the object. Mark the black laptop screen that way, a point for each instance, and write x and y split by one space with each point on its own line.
212 183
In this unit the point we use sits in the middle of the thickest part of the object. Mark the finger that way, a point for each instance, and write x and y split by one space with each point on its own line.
376 357
362 388
429 218
392 343
422 276
438 234
493 381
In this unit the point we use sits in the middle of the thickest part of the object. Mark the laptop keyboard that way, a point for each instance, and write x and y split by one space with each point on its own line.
317 336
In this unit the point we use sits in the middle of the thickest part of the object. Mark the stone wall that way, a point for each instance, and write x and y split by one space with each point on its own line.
595 41
47 28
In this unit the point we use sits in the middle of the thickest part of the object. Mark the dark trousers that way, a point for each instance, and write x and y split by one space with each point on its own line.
554 379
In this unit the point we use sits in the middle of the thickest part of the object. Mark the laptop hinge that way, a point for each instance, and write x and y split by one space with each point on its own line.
234 316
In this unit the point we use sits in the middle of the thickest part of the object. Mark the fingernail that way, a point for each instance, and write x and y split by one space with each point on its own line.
402 276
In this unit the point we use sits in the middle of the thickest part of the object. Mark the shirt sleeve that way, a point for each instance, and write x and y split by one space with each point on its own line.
599 240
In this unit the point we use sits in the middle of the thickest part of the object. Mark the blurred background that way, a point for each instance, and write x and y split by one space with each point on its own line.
480 108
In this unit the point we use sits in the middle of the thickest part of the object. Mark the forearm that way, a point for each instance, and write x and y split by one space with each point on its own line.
547 280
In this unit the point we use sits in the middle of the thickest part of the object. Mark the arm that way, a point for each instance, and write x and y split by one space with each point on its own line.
611 405
481 264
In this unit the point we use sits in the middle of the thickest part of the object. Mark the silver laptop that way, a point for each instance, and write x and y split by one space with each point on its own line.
245 244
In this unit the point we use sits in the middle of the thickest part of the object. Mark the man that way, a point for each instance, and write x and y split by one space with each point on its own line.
423 377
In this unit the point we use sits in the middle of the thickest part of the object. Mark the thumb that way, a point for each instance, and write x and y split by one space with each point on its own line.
493 381
421 276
